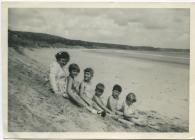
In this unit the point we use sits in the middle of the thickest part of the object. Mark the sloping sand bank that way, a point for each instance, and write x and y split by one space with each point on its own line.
32 107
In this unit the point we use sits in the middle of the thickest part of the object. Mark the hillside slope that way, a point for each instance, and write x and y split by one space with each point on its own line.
32 107
40 40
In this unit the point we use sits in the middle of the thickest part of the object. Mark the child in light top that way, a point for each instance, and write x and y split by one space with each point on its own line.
98 103
58 73
85 90
73 85
128 108
73 90
112 102
129 111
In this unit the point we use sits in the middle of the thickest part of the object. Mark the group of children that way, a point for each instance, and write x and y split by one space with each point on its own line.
64 84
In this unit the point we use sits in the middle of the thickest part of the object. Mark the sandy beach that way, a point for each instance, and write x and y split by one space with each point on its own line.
159 86
160 81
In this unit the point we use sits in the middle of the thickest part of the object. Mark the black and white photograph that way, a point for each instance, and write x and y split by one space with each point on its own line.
98 69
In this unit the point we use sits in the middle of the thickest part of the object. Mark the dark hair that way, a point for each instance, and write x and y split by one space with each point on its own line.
100 86
117 87
74 67
90 70
130 96
62 54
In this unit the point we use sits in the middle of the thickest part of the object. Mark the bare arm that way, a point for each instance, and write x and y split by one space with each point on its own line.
81 89
101 105
73 96
119 112
109 105
69 86
82 94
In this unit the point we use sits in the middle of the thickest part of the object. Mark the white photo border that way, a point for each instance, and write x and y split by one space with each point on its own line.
97 135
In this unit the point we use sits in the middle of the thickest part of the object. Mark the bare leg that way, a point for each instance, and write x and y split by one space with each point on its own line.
87 100
115 117
65 95
127 123
90 109
139 121
76 99
96 107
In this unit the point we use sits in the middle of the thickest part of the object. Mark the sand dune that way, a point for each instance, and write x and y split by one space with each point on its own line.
161 88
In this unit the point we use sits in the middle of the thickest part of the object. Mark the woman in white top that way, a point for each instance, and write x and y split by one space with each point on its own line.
58 73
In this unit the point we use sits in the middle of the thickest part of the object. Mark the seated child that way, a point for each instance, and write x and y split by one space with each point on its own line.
128 108
98 103
129 112
58 73
73 85
112 102
73 90
85 89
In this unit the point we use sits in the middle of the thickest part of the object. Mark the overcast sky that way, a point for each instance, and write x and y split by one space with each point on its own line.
165 28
